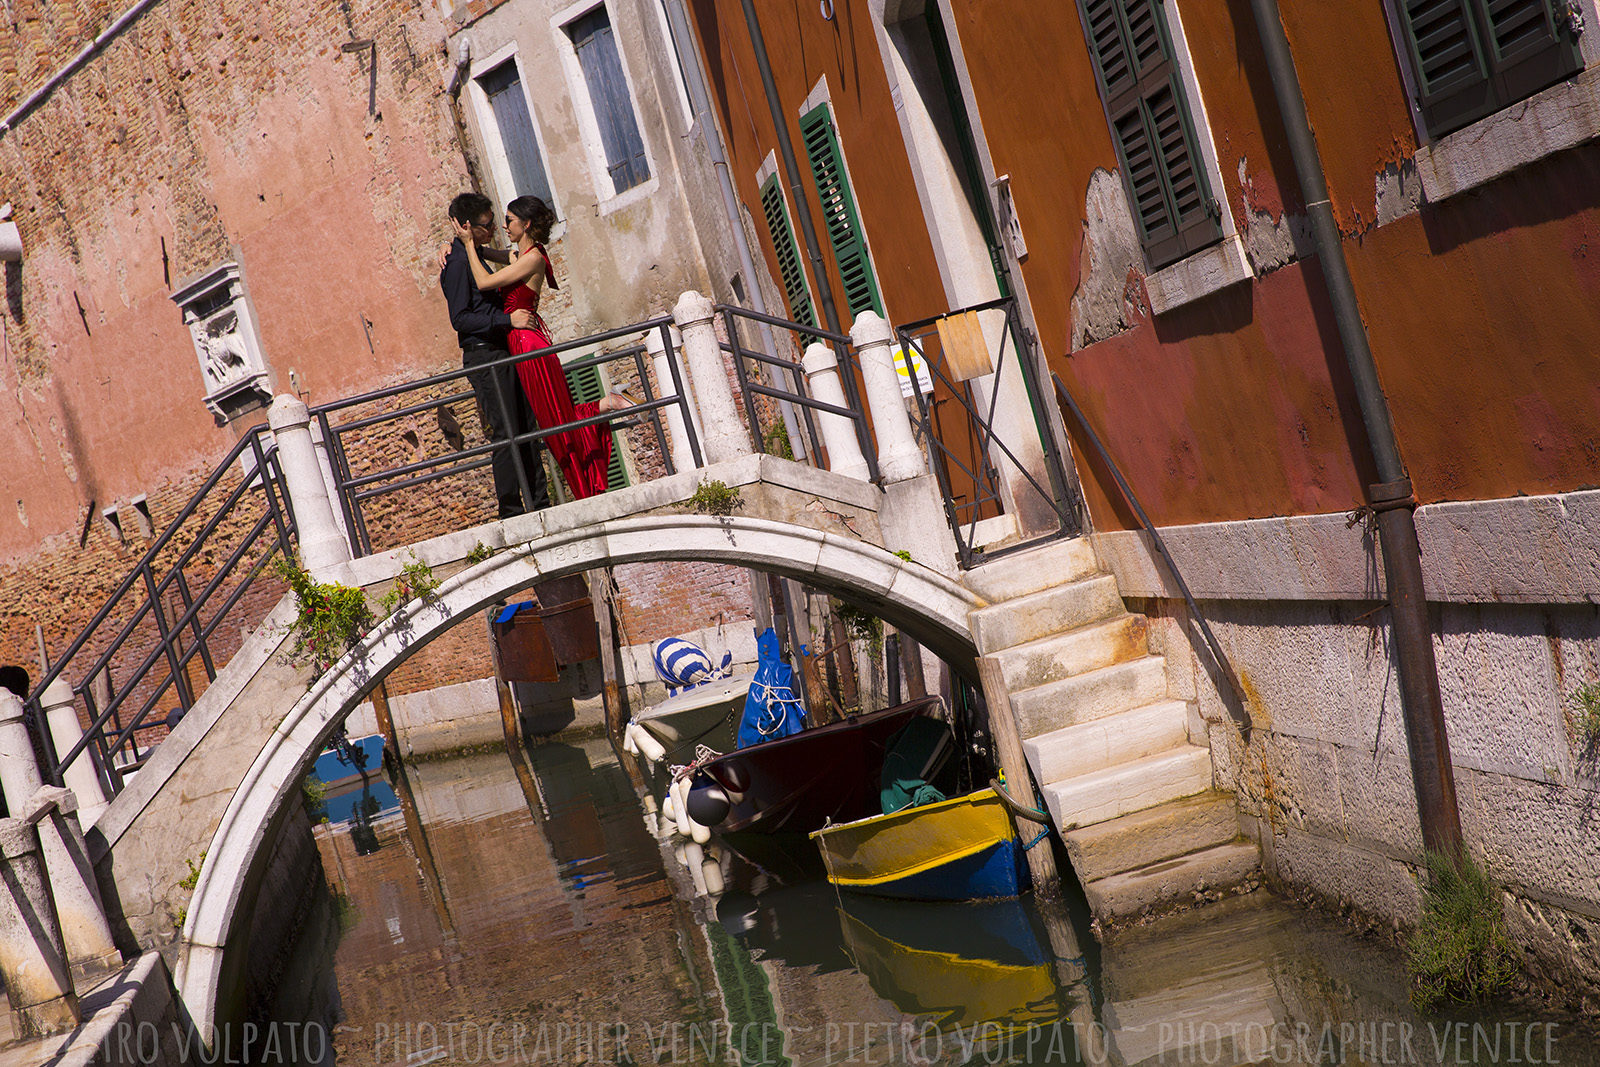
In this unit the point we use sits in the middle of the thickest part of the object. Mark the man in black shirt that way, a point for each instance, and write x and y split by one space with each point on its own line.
481 325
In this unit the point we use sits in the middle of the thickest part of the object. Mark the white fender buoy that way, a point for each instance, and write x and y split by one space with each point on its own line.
669 812
649 747
680 797
628 744
694 859
711 874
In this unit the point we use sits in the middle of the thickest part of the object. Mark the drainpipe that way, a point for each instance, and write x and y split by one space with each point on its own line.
1391 498
791 169
71 66
700 102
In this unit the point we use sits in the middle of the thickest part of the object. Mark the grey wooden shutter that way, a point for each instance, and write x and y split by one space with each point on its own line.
776 211
1150 123
596 46
1474 57
587 388
839 211
509 103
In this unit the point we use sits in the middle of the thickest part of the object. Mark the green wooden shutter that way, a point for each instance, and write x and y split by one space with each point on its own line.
1474 57
1161 167
794 277
839 211
586 388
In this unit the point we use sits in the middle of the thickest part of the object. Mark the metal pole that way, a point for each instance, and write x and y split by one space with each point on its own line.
791 169
1391 499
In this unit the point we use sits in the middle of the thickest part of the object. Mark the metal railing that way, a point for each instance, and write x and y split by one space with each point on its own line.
205 581
249 525
797 395
957 427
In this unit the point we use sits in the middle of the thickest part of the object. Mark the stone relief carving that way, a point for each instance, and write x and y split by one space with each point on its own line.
217 310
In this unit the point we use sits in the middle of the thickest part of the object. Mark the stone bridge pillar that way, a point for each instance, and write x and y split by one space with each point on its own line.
899 457
726 436
661 358
81 922
838 433
31 958
61 712
321 543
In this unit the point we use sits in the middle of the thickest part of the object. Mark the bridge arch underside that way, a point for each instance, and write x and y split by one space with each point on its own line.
924 604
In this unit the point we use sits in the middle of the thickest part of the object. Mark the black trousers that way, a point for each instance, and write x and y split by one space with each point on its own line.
504 412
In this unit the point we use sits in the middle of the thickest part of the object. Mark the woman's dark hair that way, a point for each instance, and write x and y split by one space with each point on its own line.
539 216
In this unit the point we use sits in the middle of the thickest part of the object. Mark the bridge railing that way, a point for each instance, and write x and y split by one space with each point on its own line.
168 627
174 621
797 395
961 366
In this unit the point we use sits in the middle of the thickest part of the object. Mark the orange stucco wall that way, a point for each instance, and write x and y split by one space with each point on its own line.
803 47
1479 310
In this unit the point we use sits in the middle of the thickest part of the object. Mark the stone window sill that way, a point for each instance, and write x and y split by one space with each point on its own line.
1560 117
1199 275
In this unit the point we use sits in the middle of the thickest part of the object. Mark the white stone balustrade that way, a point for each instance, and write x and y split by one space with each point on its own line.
321 543
899 458
661 359
32 961
80 776
838 433
726 436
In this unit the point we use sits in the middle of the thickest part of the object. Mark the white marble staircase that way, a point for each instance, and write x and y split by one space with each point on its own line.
1125 785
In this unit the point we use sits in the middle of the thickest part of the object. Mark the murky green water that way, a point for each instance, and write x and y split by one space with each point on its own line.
526 913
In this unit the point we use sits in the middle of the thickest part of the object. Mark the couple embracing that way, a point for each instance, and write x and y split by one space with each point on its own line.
495 313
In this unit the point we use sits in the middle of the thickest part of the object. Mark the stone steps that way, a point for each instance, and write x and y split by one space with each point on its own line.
1088 747
1092 695
1036 569
1128 787
1172 882
1078 651
1050 611
1128 792
1165 832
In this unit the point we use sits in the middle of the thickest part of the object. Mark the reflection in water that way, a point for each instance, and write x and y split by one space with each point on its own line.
511 911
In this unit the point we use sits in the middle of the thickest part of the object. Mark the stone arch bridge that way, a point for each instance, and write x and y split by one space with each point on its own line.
1062 655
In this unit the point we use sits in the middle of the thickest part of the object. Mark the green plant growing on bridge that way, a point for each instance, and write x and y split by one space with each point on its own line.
315 792
1459 950
190 880
416 580
479 553
715 498
775 442
861 625
903 554
331 620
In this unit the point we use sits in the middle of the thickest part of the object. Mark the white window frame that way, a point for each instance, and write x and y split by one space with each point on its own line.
609 199
1220 265
494 151
1562 116
679 81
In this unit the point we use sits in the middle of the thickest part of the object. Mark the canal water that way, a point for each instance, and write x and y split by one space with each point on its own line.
496 909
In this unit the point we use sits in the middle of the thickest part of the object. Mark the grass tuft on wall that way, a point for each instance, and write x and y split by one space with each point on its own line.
1459 951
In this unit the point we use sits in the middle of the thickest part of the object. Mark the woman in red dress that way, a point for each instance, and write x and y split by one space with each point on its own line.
584 453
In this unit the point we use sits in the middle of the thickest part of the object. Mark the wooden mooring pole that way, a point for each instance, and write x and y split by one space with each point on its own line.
1019 781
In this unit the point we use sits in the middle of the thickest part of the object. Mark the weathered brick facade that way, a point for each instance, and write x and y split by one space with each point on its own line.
317 148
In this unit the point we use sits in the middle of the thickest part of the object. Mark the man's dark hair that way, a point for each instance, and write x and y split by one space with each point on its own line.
15 679
468 208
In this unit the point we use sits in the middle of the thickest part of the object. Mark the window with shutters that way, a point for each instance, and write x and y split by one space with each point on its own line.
610 102
1471 58
1168 191
515 158
587 387
845 235
775 209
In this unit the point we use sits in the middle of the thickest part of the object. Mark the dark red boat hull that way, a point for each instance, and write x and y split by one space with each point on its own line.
799 783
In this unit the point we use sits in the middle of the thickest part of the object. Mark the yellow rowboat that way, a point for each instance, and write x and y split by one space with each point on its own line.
960 849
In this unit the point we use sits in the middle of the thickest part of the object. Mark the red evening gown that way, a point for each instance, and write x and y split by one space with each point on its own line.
584 453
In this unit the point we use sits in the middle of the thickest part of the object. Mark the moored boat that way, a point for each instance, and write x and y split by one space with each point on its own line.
801 782
965 848
704 715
